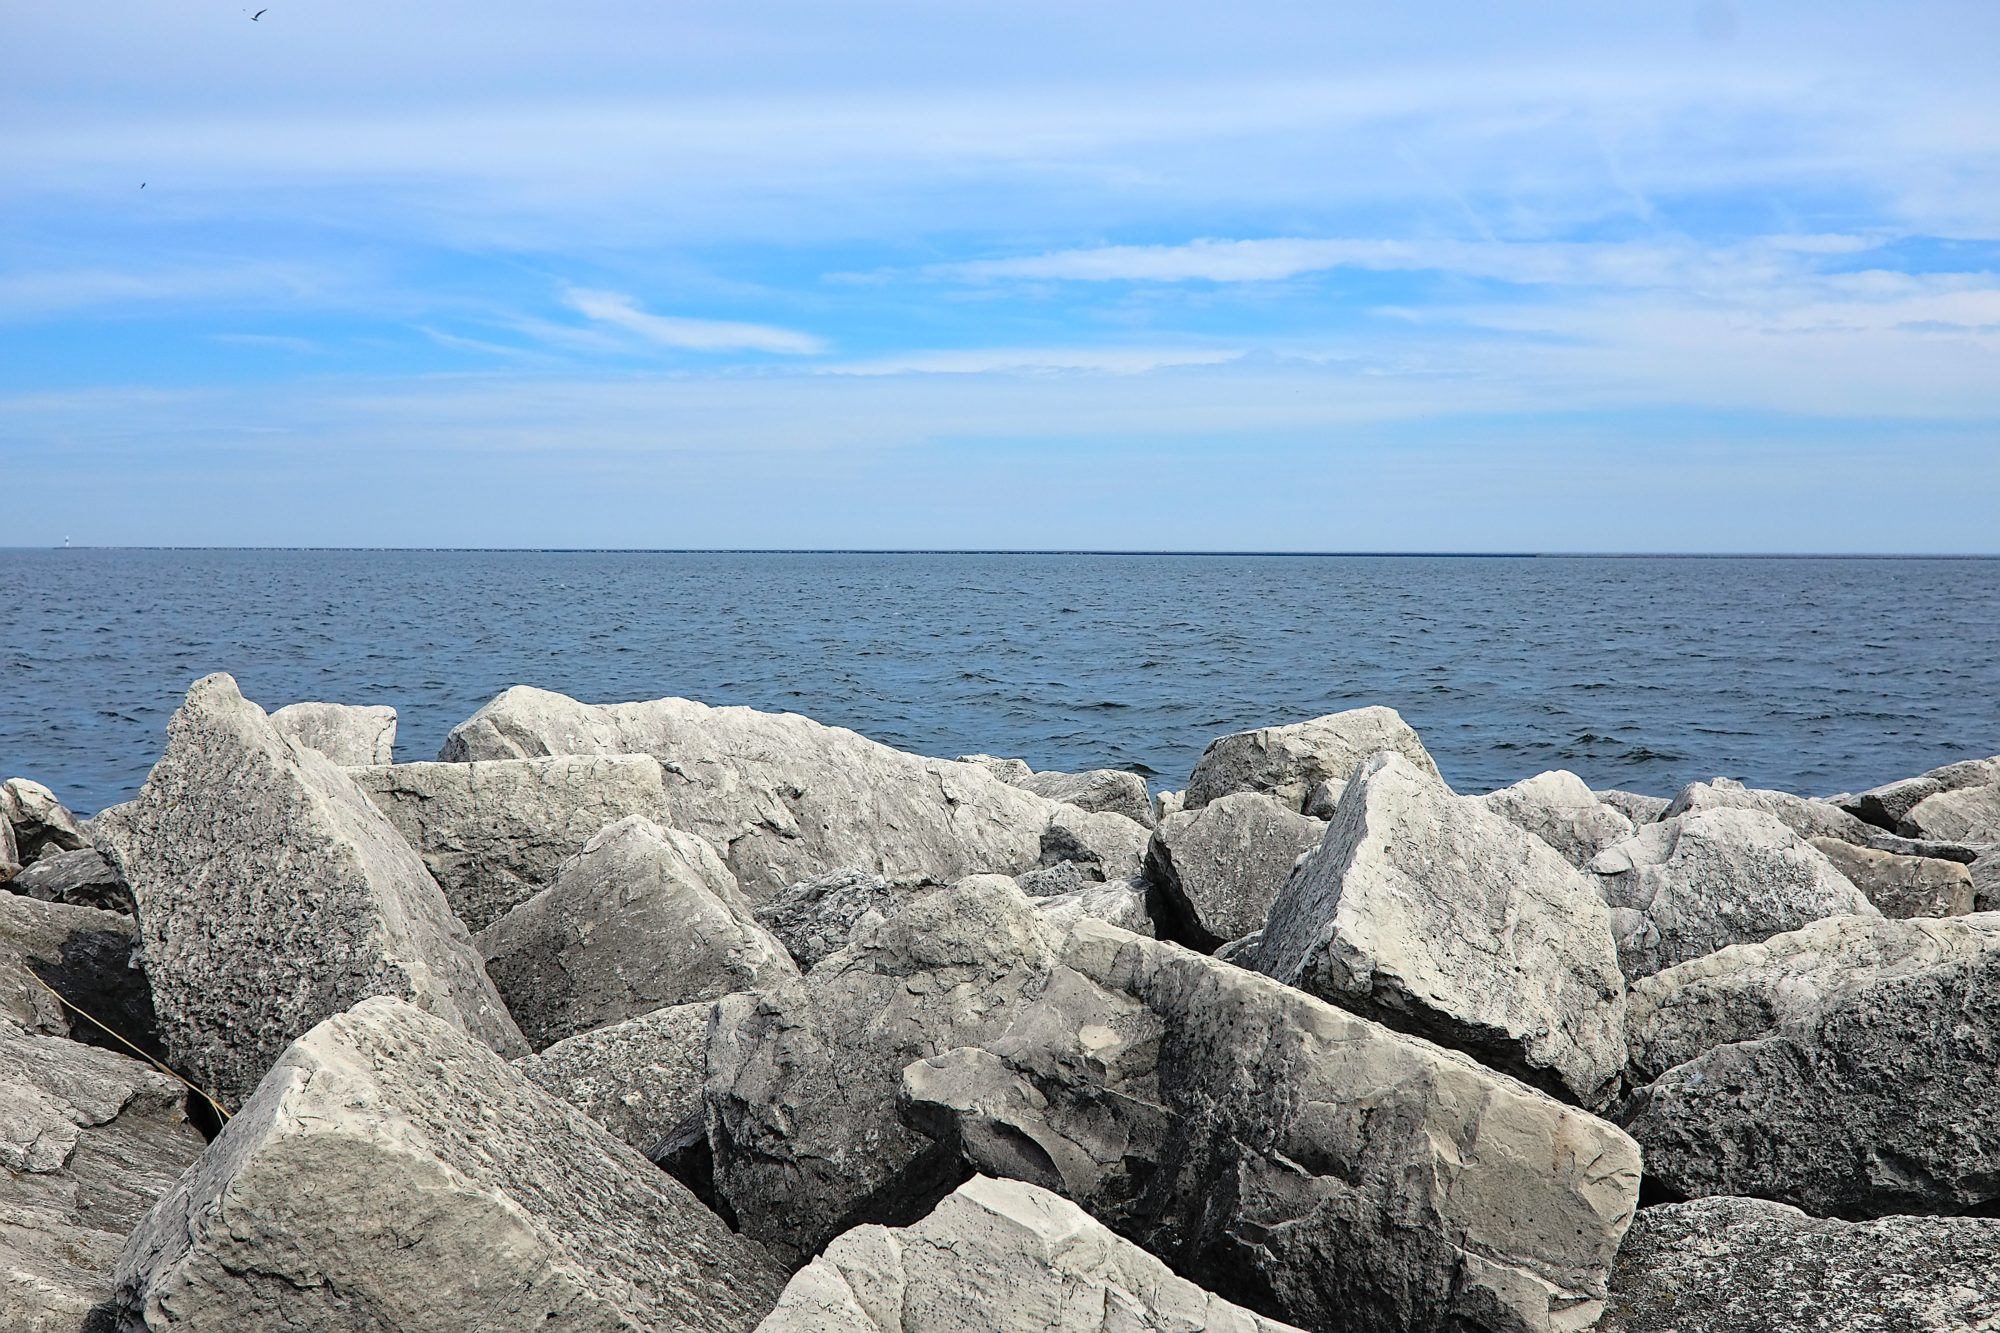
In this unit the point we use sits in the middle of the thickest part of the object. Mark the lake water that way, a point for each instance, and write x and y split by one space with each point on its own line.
1812 675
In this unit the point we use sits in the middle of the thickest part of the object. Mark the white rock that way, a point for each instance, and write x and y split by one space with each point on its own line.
1288 762
344 733
1564 813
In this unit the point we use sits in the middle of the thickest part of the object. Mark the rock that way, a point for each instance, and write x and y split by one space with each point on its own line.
1433 914
1750 1266
1168 803
1301 1160
1635 806
1986 881
998 1256
1324 799
493 832
1288 762
1557 808
1877 1103
1010 771
642 918
1902 886
1220 867
1887 806
1787 983
10 854
802 1079
391 1173
641 1079
1241 953
38 820
271 894
1058 880
1103 845
1806 817
1103 790
59 963
345 733
814 918
1701 882
84 879
1967 814
781 797
1123 903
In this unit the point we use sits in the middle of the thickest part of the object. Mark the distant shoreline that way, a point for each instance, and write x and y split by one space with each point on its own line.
975 550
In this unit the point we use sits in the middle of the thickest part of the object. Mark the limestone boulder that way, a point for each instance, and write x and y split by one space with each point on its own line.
1010 771
10 853
814 917
1690 885
1985 872
1105 790
1324 799
1168 803
1902 886
641 1079
1219 868
391 1173
1289 762
1966 814
643 917
82 878
493 832
1432 913
1889 805
998 1256
38 821
1560 810
1729 1265
272 894
345 733
1288 1155
1635 806
1802 815
1124 903
1102 845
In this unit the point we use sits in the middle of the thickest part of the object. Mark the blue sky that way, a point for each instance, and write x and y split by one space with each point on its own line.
1473 276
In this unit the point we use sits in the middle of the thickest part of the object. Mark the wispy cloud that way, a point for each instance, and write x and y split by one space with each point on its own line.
694 335
1036 360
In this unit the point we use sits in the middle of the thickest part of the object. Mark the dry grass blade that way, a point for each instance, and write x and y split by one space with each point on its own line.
128 1044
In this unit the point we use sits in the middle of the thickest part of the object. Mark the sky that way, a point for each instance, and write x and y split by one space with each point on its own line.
1514 276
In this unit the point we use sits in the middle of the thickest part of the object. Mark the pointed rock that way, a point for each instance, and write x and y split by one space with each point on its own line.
1557 808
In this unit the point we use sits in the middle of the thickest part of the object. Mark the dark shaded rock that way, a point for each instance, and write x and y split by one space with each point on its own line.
1219 868
82 878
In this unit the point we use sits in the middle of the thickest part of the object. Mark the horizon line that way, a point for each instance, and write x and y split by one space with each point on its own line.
1069 551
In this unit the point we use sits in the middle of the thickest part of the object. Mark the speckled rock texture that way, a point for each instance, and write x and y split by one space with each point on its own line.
643 917
1704 881
492 833
1123 903
1564 813
641 1079
814 917
391 1174
1219 868
1750 1266
999 1256
1431 913
781 797
1889 805
344 733
1288 762
1902 886
1288 1155
272 894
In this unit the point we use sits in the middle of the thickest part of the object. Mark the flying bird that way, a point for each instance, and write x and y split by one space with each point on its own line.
260 14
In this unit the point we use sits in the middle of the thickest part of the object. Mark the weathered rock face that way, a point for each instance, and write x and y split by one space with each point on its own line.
1010 771
1288 762
10 855
82 879
1104 846
802 1079
304 1213
83 956
1168 803
1324 799
1986 880
1296 1158
814 917
1560 810
1750 1266
1802 815
1785 984
272 894
1966 814
641 1079
1902 886
1105 790
781 797
998 1256
38 821
1219 868
1122 903
493 832
1875 1102
1889 805
345 733
1635 806
1431 913
1701 882
643 917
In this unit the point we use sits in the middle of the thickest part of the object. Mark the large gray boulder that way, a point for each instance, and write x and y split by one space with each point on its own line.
1288 762
781 797
1105 790
1985 873
38 821
1125 903
1751 1266
492 833
1431 913
814 917
1867 1096
641 1079
272 894
1704 881
642 918
1902 886
345 733
1801 814
1101 845
390 1173
1288 1155
82 878
998 1256
1965 814
802 1079
1219 868
1564 813
1889 805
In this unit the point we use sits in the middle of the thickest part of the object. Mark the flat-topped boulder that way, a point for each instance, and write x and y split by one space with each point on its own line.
1286 1154
1432 913
1964 814
1699 882
998 1256
1564 813
642 918
493 832
781 797
1801 814
273 894
1889 805
1219 868
1729 1265
344 733
1902 886
391 1173
1288 762
641 1079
